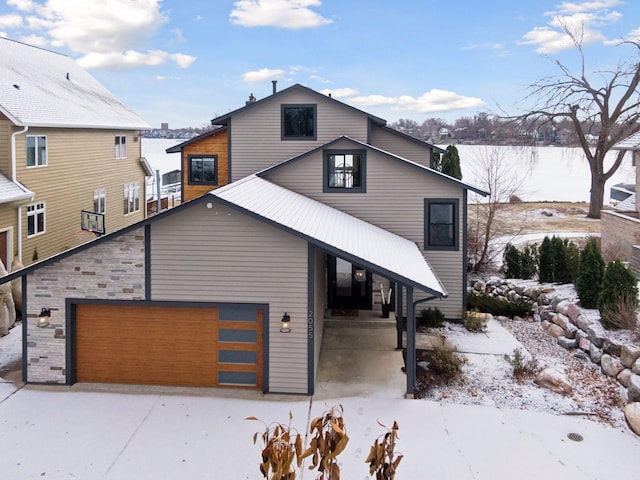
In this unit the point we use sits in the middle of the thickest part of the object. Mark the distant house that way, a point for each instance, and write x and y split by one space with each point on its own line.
620 227
310 205
66 145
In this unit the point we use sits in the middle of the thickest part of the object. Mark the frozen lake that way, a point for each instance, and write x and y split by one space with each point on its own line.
548 173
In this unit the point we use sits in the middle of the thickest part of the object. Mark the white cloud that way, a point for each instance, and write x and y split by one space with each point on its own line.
36 40
11 20
105 33
583 20
22 5
429 102
262 75
131 58
634 36
292 14
340 92
573 7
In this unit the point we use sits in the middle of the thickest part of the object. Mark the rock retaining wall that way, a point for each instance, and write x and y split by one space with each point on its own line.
564 320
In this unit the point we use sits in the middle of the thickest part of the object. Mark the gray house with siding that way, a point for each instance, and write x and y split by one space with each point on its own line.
231 289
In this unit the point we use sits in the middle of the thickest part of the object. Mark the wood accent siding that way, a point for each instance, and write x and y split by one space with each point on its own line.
219 255
403 147
256 137
216 144
394 200
79 161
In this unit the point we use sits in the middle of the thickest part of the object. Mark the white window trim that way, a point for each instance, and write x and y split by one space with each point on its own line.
121 146
39 208
132 195
100 196
46 151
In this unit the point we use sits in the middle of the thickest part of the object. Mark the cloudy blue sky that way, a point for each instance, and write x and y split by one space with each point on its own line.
187 61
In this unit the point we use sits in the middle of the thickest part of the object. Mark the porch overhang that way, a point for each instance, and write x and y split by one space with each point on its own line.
334 231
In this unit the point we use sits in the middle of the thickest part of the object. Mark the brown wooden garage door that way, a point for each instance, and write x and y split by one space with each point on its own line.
169 345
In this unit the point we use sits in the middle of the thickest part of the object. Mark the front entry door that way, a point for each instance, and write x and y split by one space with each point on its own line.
349 285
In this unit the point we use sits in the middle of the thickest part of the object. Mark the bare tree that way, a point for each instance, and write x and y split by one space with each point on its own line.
603 107
493 172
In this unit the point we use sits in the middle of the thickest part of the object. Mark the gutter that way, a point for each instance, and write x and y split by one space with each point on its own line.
13 179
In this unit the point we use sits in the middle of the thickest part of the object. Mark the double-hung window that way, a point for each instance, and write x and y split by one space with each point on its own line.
299 122
203 170
100 200
36 150
36 219
344 171
441 224
131 197
121 146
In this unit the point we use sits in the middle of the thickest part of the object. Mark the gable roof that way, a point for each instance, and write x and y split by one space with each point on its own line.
41 88
178 148
223 120
359 144
632 142
334 230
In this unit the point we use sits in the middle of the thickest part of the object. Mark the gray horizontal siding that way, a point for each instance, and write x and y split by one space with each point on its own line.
403 147
394 201
219 255
255 133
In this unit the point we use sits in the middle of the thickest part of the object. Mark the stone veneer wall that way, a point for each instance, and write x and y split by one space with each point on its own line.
113 269
618 233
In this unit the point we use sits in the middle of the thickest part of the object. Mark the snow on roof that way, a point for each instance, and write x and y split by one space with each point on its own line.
12 191
632 142
41 88
357 240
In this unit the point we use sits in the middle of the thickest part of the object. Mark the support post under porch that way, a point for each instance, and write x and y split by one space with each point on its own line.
399 315
411 344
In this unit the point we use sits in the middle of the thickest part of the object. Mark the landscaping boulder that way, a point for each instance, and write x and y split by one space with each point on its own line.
612 346
633 392
624 376
583 322
595 354
581 355
561 320
632 414
635 368
628 355
596 334
561 306
611 365
556 331
479 286
568 343
554 380
570 331
573 313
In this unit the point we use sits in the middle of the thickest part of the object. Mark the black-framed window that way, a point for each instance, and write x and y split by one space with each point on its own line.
441 224
203 169
345 171
299 122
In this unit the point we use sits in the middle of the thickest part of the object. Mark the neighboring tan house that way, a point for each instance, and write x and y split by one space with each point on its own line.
66 145
231 288
620 227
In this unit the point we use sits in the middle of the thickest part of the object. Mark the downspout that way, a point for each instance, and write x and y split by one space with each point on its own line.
13 179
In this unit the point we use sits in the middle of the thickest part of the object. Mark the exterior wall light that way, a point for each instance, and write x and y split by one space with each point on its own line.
44 317
360 276
285 323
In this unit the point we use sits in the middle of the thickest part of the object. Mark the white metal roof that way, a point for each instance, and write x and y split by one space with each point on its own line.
13 191
330 228
632 142
46 89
